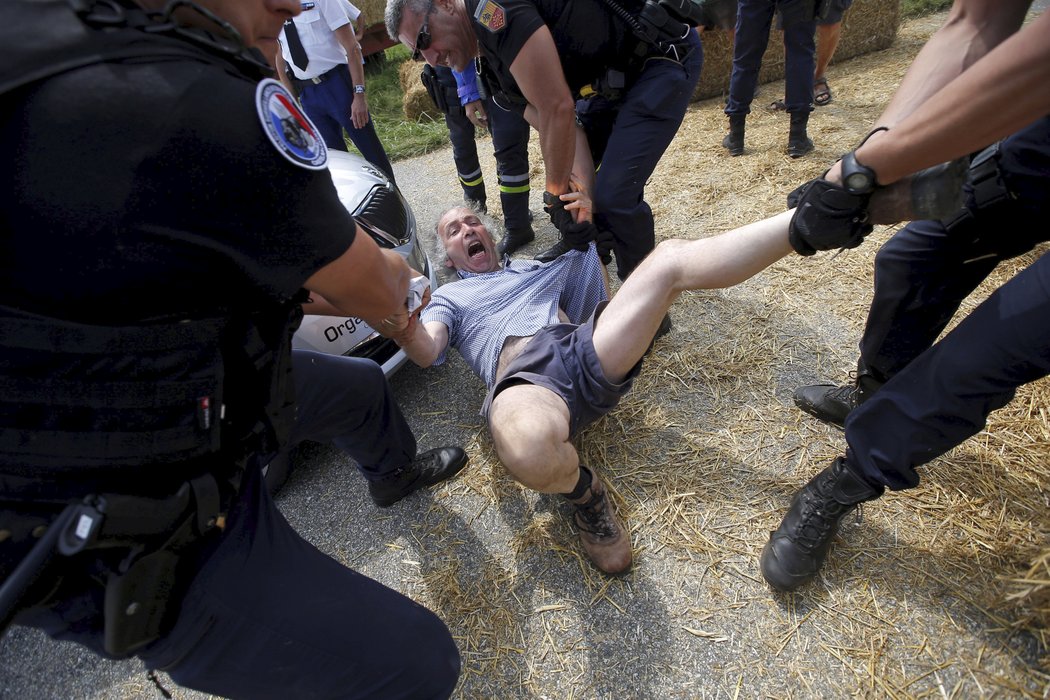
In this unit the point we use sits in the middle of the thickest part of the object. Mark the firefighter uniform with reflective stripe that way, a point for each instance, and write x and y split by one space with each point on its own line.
510 144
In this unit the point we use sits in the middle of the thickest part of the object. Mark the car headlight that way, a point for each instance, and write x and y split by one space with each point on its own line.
386 216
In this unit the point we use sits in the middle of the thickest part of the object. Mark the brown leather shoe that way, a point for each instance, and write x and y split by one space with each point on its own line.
601 533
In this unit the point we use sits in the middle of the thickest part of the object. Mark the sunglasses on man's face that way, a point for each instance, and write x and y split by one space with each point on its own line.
423 38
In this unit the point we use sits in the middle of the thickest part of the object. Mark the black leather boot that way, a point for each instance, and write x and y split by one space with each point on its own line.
734 140
427 469
797 549
515 238
799 144
557 250
831 403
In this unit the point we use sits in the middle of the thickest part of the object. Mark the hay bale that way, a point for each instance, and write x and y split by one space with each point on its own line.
870 25
417 103
408 75
373 10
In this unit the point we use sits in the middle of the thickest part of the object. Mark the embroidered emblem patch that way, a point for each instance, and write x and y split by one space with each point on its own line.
491 16
291 131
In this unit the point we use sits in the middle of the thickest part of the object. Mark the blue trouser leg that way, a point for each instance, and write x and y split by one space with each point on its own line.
270 616
753 21
465 154
647 119
347 401
799 63
330 102
923 273
510 143
945 394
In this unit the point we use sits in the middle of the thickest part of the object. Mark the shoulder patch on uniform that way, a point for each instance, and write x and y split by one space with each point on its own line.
491 15
291 131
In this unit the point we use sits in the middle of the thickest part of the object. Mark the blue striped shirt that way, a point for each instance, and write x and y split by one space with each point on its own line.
482 310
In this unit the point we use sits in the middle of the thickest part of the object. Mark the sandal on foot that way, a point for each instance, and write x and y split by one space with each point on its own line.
821 92
777 106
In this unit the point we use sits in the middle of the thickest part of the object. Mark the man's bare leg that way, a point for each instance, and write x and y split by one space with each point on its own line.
626 327
530 429
828 36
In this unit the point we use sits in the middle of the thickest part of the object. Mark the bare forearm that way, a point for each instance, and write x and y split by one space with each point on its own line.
422 343
355 63
971 31
366 281
557 130
1001 93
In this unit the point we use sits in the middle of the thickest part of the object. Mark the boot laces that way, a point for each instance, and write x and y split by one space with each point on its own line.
595 517
821 513
845 394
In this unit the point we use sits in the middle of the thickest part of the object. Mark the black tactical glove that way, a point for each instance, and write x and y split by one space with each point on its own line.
560 216
796 194
605 243
578 235
827 217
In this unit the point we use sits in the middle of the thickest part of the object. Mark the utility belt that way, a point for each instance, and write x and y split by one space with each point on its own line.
985 184
134 545
662 29
445 97
329 74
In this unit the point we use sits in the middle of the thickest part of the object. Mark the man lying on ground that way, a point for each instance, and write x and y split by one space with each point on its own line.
556 355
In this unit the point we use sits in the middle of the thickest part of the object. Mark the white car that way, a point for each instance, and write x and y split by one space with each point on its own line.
378 207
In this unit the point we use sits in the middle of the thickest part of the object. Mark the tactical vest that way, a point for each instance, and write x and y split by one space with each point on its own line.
170 398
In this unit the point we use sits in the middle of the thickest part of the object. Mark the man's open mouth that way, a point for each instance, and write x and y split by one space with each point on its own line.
474 248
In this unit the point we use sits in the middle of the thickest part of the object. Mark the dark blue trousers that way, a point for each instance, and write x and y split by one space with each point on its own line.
940 393
328 106
627 138
270 616
267 615
347 401
753 21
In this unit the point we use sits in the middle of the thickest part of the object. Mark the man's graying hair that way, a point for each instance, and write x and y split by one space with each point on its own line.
395 12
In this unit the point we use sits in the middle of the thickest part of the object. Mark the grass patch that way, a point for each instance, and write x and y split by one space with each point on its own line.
401 138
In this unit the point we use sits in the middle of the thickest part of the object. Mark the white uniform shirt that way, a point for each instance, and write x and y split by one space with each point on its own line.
316 25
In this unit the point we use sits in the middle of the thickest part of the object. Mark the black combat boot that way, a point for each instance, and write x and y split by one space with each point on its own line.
796 550
426 469
831 403
555 251
734 140
514 239
799 144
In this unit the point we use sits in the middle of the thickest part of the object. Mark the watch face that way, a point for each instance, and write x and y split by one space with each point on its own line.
858 182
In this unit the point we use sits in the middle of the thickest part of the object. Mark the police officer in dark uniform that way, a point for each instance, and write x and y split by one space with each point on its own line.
632 65
916 398
753 21
456 94
165 207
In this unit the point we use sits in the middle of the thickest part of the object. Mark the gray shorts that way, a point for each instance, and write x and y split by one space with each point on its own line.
561 358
